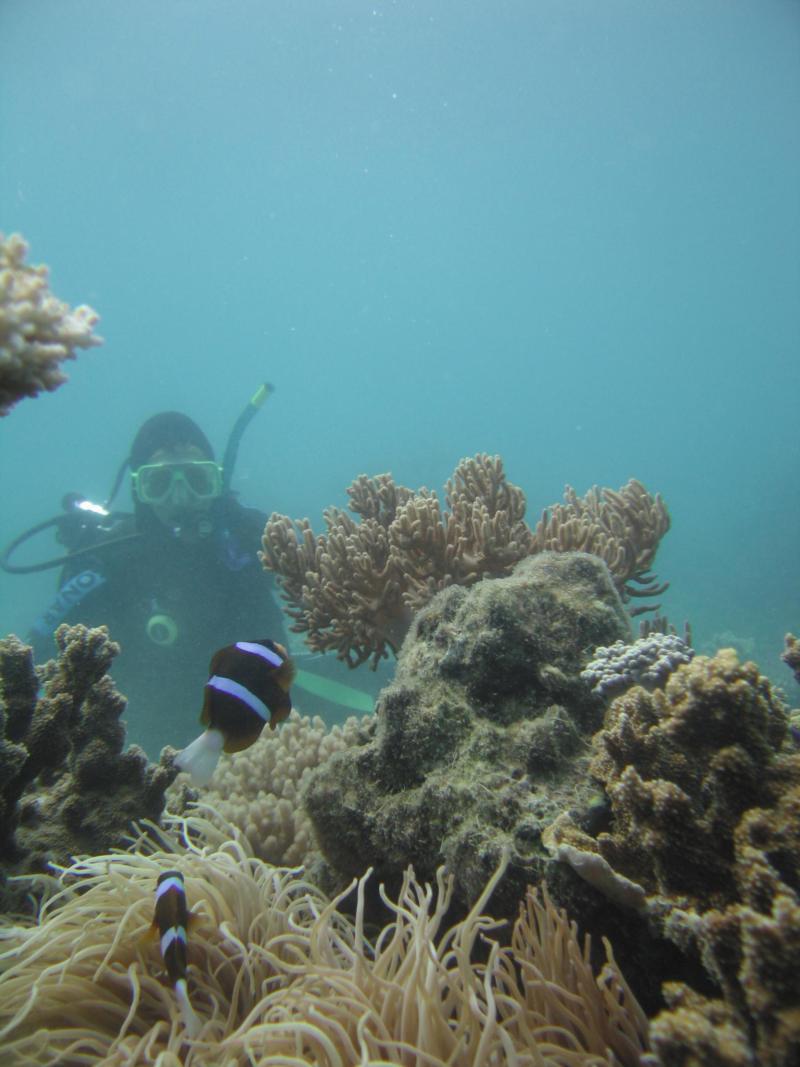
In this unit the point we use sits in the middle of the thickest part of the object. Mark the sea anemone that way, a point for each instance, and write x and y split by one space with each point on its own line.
278 976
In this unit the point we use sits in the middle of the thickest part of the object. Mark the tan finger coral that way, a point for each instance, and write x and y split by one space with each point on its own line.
258 790
37 330
354 589
623 528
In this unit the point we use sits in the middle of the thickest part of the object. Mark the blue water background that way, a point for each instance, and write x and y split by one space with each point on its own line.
564 232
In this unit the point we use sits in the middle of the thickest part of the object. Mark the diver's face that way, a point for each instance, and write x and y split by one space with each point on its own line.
181 504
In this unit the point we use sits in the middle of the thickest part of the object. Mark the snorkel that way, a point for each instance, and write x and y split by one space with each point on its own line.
253 406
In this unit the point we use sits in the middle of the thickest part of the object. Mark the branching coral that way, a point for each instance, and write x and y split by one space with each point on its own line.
279 977
37 331
66 783
624 528
355 588
258 791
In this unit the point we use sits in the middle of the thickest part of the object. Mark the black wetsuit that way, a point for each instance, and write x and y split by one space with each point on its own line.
214 591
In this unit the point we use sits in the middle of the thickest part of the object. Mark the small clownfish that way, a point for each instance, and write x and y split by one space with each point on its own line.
248 684
170 923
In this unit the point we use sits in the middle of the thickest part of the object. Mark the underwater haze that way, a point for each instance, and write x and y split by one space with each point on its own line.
564 232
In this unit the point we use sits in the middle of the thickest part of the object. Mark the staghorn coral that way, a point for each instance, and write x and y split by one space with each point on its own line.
66 783
481 739
355 588
259 790
278 976
37 331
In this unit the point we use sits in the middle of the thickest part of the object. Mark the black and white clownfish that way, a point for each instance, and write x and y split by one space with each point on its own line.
170 923
248 685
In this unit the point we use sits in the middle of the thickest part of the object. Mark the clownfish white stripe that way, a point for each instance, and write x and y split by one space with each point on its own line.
260 650
167 884
175 933
234 689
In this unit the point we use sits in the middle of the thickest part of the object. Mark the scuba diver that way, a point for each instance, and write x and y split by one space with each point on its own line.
173 581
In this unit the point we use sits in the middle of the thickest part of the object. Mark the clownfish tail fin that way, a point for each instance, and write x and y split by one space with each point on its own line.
191 1020
200 758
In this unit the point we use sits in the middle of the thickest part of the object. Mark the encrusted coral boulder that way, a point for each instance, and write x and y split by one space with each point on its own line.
681 767
704 821
481 739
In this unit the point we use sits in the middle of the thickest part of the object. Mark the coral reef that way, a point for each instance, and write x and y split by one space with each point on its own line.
258 791
752 950
623 527
481 739
660 624
355 588
647 662
37 331
277 975
66 785
705 821
791 655
681 766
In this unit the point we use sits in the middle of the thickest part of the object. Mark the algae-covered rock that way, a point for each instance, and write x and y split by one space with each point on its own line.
482 738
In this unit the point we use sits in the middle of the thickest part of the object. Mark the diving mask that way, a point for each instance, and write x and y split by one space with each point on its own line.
154 483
